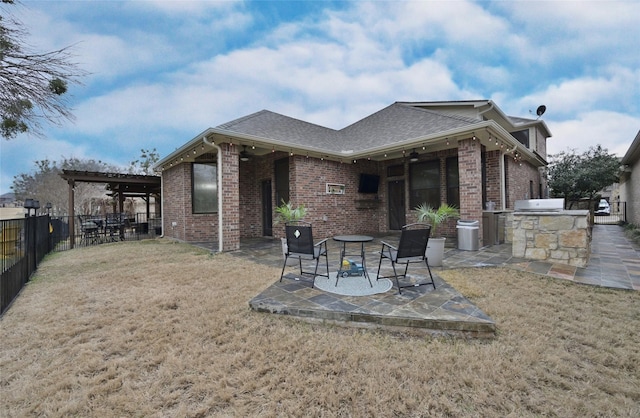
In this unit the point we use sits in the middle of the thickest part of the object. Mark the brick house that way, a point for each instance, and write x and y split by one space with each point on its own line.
224 184
630 181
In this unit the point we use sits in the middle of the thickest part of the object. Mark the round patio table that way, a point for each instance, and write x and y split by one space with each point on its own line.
352 239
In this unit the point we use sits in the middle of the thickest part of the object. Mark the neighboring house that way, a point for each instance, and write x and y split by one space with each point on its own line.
630 181
10 208
224 184
8 200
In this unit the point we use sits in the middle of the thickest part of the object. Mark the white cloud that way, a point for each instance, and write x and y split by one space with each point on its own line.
595 32
618 89
614 131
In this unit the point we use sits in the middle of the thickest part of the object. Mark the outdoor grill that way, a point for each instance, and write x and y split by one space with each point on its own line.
539 205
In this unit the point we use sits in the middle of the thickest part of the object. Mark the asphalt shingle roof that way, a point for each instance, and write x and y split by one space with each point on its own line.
274 126
395 123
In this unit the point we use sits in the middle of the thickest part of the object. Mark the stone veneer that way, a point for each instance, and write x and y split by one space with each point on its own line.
556 237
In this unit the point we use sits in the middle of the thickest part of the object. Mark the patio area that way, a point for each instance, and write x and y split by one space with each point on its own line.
615 263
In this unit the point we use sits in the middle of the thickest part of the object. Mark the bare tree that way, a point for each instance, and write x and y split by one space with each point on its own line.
46 185
32 84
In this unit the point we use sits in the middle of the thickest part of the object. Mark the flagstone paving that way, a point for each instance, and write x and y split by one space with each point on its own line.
614 263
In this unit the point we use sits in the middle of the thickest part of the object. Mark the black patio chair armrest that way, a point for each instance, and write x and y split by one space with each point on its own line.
319 243
386 244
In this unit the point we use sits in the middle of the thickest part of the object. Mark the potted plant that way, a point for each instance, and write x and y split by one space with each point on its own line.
286 212
435 217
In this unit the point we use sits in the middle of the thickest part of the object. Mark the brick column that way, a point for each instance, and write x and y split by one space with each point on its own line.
229 192
470 171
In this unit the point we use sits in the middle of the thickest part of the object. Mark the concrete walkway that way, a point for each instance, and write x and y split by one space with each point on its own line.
614 262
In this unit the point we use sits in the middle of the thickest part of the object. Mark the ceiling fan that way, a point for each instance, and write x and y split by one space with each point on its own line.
244 155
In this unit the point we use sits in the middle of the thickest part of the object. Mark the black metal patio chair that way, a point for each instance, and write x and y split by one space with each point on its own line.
300 245
90 230
410 249
115 224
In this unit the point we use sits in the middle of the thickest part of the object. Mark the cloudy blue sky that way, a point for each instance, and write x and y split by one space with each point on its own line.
163 71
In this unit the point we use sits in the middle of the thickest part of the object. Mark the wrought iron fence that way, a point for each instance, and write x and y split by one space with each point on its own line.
617 214
24 242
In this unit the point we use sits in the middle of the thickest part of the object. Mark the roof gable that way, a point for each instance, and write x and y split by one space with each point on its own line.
400 122
271 125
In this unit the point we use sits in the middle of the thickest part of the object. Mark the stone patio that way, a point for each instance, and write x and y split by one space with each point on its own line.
614 263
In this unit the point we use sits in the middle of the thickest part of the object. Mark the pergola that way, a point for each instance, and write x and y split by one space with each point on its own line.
119 185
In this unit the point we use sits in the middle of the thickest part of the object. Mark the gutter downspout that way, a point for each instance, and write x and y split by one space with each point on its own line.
161 206
503 178
219 162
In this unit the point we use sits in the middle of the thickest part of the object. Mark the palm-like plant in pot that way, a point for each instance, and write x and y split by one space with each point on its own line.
435 217
286 212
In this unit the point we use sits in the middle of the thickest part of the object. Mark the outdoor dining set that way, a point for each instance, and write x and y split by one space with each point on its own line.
96 229
410 249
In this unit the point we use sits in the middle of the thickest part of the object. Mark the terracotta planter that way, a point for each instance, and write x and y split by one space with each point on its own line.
435 251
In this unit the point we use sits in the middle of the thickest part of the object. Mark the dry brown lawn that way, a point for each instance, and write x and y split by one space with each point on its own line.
160 329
